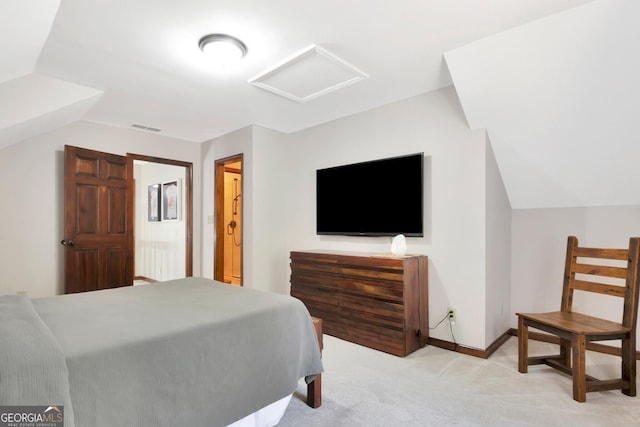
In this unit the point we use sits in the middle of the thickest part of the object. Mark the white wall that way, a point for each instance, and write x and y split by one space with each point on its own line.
265 174
272 172
466 214
498 244
31 182
280 199
234 143
539 242
455 197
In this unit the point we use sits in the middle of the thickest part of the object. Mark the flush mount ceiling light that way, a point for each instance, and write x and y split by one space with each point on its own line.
222 48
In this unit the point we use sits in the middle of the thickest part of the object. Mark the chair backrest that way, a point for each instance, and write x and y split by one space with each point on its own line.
605 271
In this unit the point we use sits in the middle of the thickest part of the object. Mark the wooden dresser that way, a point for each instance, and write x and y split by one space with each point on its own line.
379 301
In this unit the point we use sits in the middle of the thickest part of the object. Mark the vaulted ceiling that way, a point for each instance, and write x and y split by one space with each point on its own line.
560 98
553 81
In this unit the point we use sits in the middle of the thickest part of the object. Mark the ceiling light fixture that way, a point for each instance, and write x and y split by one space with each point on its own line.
224 49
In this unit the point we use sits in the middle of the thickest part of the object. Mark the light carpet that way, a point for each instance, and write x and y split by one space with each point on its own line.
436 387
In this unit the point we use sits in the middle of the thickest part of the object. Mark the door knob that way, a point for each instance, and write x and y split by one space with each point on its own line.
68 243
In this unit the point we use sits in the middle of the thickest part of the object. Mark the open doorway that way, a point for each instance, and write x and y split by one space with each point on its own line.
163 219
229 220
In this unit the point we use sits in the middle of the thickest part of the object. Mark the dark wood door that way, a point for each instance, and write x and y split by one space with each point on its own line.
98 228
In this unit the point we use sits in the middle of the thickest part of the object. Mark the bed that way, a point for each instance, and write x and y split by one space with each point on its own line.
184 352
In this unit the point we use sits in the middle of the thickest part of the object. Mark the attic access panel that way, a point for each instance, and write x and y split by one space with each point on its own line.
308 75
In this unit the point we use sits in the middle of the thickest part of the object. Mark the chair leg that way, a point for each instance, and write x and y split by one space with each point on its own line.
565 352
629 364
579 345
523 346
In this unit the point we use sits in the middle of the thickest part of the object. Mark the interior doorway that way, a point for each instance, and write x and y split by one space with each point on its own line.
163 218
100 218
229 220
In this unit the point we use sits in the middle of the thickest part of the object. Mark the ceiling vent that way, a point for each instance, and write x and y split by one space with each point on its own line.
148 128
308 75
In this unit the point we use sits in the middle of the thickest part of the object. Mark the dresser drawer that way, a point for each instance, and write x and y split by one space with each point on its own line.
359 305
307 278
315 262
373 289
390 340
372 273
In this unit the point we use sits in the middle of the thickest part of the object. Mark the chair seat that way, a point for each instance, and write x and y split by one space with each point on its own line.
576 323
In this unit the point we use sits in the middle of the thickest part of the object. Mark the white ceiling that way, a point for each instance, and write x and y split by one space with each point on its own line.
137 62
560 98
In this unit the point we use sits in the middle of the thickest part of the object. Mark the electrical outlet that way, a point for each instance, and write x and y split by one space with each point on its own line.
452 314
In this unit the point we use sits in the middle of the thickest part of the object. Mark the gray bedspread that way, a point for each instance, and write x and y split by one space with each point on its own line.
189 352
32 364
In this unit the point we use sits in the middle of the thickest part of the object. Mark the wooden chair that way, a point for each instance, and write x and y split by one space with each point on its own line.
575 330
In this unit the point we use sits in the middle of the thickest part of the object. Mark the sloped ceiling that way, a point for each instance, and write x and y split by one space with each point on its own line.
560 99
24 27
553 81
30 103
144 55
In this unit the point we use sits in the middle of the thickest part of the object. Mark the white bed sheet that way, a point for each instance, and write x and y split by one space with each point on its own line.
268 416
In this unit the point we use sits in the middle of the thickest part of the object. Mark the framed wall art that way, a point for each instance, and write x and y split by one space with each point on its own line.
171 200
154 199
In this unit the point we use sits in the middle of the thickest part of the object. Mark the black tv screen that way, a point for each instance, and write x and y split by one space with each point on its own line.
375 198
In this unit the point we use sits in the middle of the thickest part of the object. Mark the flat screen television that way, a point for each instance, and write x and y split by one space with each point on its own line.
375 198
